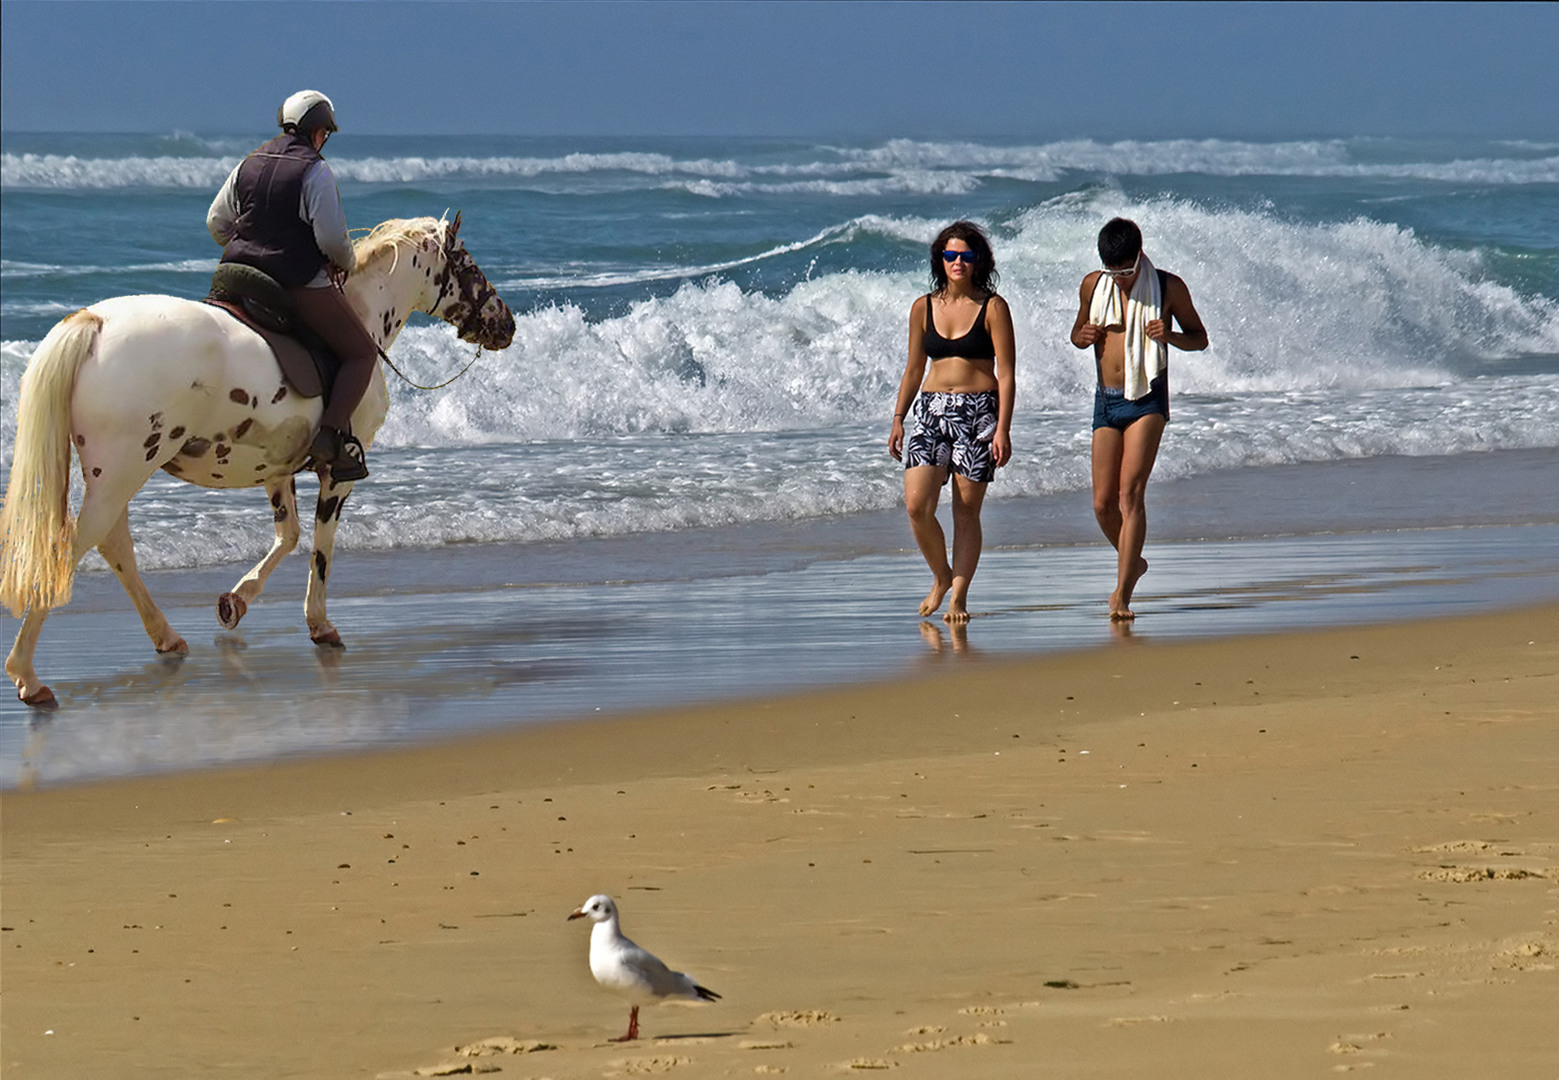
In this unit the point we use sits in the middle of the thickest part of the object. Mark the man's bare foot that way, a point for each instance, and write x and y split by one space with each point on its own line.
957 614
933 598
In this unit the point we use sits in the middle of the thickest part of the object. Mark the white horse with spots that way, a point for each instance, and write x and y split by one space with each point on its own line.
141 383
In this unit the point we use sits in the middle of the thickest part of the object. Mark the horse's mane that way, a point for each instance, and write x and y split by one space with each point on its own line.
395 233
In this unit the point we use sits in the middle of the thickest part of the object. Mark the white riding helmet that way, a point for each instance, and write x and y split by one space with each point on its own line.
306 111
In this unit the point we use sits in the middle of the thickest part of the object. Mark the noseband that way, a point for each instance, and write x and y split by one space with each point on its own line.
470 287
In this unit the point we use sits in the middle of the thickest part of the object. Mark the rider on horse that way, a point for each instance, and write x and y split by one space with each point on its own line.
280 212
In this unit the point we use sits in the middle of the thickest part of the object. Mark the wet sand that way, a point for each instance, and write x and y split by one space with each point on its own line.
493 636
1283 855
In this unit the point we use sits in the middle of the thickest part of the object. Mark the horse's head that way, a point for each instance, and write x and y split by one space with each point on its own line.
466 299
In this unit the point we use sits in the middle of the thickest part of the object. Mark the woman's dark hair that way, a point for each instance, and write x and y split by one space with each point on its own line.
985 276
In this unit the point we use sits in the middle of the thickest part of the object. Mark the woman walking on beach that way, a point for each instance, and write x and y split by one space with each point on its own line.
962 407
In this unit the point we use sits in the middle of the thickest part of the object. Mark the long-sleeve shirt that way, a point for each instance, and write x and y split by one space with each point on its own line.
319 205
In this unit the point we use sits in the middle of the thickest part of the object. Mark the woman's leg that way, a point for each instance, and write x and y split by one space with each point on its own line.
968 538
922 488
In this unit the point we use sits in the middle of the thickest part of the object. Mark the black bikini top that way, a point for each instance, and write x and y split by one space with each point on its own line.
975 345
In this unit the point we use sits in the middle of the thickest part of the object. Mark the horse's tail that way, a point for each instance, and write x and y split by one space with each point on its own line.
37 531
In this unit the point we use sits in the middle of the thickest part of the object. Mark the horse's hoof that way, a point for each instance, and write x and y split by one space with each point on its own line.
41 698
230 609
180 647
328 638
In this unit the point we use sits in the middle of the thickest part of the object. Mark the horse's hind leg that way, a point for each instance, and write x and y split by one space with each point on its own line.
119 550
232 606
18 665
103 523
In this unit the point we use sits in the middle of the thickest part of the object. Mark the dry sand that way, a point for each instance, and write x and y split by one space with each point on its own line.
1279 856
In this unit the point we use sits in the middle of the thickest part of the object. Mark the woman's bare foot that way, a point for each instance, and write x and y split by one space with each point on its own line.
956 615
933 598
1120 599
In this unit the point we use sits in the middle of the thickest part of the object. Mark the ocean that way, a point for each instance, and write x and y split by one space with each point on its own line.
711 332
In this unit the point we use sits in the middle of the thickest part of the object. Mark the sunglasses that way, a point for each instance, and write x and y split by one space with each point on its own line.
1130 270
969 258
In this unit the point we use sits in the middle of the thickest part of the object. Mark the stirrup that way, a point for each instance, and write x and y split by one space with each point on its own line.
342 453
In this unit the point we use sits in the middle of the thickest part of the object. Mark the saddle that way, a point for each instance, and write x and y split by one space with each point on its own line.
255 299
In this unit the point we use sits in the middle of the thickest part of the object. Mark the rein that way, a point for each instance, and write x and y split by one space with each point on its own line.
436 386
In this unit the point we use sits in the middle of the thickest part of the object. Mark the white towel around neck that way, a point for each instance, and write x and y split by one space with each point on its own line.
1145 358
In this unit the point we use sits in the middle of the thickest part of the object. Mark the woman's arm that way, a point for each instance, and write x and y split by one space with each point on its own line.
998 320
914 373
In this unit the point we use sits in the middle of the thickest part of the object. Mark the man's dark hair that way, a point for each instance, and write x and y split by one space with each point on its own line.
1120 242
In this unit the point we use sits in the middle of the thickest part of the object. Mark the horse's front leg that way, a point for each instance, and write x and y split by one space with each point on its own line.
327 515
232 606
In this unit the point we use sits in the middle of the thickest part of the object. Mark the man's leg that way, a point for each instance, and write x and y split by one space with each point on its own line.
1139 450
968 538
922 488
1107 450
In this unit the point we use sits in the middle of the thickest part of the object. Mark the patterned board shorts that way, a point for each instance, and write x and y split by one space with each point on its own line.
955 432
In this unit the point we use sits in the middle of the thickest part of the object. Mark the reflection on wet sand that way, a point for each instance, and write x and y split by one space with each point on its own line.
416 666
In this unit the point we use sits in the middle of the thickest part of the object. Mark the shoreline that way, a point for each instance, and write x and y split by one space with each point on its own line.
1352 857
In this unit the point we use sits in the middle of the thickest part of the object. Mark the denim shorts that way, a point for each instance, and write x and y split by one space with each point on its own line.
1112 410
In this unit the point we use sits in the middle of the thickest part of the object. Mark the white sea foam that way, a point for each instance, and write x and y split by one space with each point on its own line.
897 166
715 404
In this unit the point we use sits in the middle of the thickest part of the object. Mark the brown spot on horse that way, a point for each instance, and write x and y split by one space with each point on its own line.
281 392
177 433
240 396
238 432
196 447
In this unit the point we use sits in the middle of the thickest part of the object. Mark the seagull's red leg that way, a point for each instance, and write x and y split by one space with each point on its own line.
633 1026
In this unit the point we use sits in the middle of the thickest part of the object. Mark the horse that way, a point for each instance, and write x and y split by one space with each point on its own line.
140 383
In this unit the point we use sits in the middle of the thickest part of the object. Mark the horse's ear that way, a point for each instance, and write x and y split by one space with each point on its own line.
449 237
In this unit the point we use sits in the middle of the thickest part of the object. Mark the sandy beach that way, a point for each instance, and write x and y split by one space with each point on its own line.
1282 855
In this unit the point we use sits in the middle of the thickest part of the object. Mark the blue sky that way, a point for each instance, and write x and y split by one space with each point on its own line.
1102 70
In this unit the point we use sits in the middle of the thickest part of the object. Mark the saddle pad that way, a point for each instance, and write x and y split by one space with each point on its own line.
301 368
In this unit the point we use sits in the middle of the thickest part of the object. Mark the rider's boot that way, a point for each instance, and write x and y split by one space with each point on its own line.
341 451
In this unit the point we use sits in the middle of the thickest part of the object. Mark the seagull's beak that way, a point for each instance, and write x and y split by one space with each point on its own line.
575 915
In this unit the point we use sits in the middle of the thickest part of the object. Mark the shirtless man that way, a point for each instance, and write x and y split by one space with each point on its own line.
1126 429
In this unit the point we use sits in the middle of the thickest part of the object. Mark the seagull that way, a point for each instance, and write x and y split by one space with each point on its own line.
624 968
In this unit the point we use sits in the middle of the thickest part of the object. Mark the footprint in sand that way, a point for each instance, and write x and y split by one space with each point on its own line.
870 1063
503 1044
979 1038
765 1044
1536 955
1131 1021
797 1018
1462 874
1349 1045
647 1066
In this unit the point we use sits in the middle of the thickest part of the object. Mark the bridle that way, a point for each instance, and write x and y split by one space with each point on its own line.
461 271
